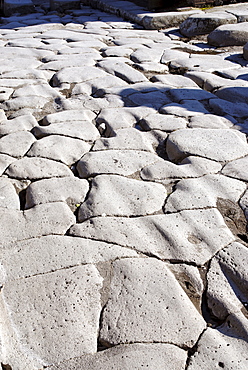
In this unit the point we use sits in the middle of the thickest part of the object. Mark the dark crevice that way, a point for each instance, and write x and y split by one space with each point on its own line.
5 366
193 350
22 197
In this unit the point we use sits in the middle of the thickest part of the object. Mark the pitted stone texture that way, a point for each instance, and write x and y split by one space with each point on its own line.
8 143
41 90
135 356
119 162
21 123
8 195
114 195
98 85
59 148
190 93
34 168
83 130
202 63
237 169
77 75
154 99
68 115
122 70
66 189
223 107
165 171
40 220
163 122
190 279
174 80
112 119
201 24
54 252
210 121
186 109
229 34
31 102
211 82
208 143
204 192
125 139
221 347
233 94
5 161
68 304
191 236
144 54
75 61
228 281
147 304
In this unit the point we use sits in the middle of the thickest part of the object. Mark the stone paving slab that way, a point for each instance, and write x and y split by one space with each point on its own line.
123 188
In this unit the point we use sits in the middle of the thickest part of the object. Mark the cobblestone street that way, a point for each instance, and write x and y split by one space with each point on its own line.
123 202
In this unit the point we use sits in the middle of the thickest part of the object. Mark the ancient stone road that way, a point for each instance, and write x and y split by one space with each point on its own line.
123 202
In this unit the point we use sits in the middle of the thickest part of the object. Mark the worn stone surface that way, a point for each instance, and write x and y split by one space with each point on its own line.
237 169
189 167
202 234
204 192
34 168
118 196
229 34
43 219
212 349
123 189
67 189
227 281
126 310
196 141
151 355
50 315
201 24
125 162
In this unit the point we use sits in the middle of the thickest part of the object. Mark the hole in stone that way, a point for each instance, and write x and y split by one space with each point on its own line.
6 366
221 364
243 237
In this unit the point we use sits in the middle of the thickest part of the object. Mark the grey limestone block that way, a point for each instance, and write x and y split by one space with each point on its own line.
49 253
68 115
8 143
196 141
237 169
44 219
114 195
223 347
8 195
59 148
203 232
147 304
228 281
83 130
118 162
201 24
229 34
165 171
204 192
66 189
21 123
58 323
153 356
34 168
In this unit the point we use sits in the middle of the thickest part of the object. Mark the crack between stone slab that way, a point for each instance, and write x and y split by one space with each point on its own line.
193 350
